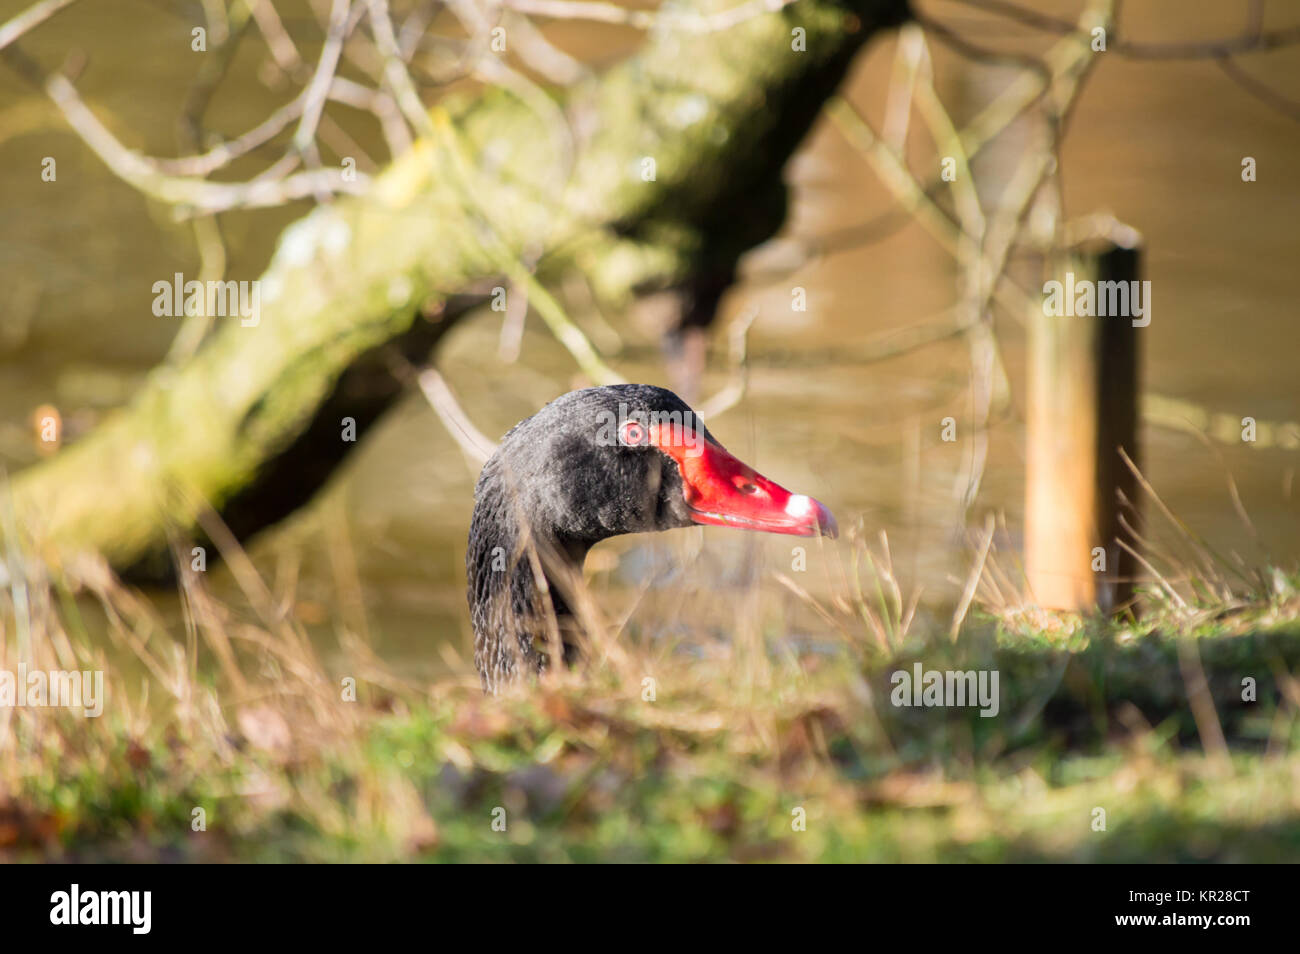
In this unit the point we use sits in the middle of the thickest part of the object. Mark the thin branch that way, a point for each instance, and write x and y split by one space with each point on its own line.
473 442
324 74
278 41
544 57
462 172
987 374
561 325
734 392
1010 104
1214 49
205 196
1030 18
145 174
902 85
1201 703
1252 40
395 72
972 579
414 27
30 18
647 19
221 155
907 191
974 51
1260 90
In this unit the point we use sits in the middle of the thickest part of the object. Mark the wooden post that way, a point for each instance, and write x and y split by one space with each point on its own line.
1083 409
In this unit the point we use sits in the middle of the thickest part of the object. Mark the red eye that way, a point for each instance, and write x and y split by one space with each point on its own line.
632 434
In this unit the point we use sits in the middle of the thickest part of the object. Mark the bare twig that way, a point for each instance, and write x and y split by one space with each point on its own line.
1260 90
146 175
395 72
561 325
462 176
907 191
902 85
974 51
30 18
973 579
538 52
1254 39
734 392
278 41
320 82
473 442
1201 703
687 22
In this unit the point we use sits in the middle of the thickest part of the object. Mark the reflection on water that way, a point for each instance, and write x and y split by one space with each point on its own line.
1159 144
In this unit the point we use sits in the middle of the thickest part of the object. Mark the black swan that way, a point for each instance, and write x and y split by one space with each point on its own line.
593 464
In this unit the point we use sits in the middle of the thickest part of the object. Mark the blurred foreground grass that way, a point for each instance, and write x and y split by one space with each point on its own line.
235 714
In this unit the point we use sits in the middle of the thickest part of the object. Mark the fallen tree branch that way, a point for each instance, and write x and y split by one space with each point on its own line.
676 172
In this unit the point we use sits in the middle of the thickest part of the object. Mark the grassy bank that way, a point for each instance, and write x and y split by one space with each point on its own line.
754 750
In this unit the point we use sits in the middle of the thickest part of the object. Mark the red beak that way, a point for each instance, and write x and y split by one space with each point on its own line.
725 492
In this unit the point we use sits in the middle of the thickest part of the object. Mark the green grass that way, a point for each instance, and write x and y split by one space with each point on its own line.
734 747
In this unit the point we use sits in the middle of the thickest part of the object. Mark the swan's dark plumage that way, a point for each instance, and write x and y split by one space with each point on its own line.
557 485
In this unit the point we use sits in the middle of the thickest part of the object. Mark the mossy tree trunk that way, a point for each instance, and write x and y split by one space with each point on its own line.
252 425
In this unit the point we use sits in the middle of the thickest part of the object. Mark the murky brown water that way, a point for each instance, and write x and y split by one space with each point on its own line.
1159 144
